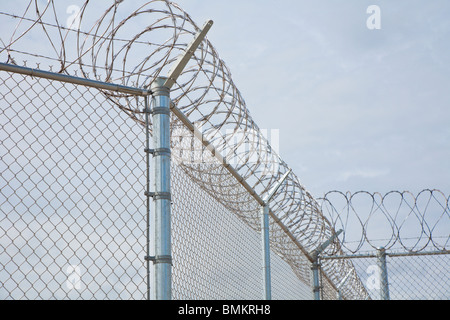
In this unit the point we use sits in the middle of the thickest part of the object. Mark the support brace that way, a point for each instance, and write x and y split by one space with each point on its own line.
265 238
183 60
341 284
272 192
316 264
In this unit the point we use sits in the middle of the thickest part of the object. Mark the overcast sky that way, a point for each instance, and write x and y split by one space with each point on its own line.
357 109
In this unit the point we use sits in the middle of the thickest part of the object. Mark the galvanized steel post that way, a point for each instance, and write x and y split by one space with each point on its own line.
162 288
160 88
384 284
265 238
316 281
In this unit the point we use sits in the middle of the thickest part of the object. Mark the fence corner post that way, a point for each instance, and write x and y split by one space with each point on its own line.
162 193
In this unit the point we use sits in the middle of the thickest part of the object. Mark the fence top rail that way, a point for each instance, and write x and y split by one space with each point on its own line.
390 254
74 80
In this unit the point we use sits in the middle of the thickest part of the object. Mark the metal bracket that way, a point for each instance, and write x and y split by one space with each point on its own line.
159 259
324 245
162 151
165 111
162 195
183 59
272 192
317 289
159 195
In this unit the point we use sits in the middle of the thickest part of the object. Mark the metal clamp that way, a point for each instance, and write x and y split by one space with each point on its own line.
159 110
162 195
159 195
159 259
162 152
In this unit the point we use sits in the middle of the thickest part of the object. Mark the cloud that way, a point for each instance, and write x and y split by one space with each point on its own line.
362 173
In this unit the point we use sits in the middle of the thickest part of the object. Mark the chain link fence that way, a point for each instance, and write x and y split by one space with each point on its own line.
74 164
397 242
217 255
72 215
410 276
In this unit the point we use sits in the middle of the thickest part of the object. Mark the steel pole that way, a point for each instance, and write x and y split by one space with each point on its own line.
316 263
316 280
384 284
147 193
162 287
265 238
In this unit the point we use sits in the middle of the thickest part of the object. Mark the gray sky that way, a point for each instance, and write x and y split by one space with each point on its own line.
357 109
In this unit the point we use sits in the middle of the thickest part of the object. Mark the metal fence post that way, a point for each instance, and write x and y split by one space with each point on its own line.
316 263
316 280
384 284
162 194
265 237
160 88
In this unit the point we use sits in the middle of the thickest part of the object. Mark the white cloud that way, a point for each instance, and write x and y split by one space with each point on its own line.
362 173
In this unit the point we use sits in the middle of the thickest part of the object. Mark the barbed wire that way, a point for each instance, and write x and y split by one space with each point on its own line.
401 220
205 92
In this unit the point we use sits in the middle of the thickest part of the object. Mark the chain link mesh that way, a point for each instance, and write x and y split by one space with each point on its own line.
410 276
413 229
216 254
72 214
72 221
423 277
